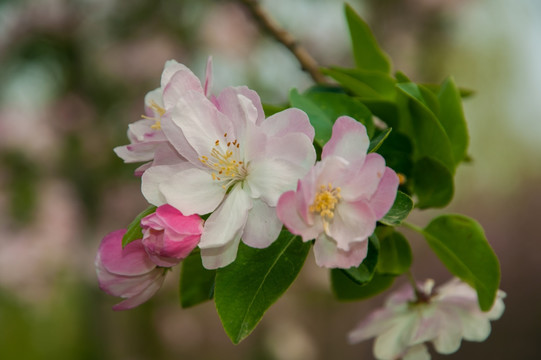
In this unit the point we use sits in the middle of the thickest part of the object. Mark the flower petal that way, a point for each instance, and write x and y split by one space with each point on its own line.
365 180
349 140
130 260
192 191
176 221
330 256
352 223
262 226
289 215
228 221
384 197
392 344
208 77
228 103
288 121
217 257
156 175
143 296
417 352
176 82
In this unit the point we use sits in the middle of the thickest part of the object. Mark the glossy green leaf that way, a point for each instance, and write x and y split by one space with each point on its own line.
424 128
249 286
365 271
461 245
385 110
368 55
400 210
346 289
398 152
196 282
363 83
377 141
432 183
395 253
452 119
318 118
134 231
335 105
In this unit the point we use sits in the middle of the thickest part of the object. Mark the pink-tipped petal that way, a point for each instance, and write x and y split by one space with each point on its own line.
383 199
330 256
352 223
291 218
130 260
143 296
365 181
227 102
208 77
176 221
287 122
348 140
262 226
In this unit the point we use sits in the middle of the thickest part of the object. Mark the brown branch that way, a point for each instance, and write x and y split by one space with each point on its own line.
308 63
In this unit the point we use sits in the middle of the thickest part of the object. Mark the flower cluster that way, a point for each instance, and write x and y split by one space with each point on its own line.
218 156
444 317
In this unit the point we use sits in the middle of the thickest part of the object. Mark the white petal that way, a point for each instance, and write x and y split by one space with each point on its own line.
330 256
349 141
227 222
449 336
394 342
262 226
417 352
287 122
154 176
217 257
192 191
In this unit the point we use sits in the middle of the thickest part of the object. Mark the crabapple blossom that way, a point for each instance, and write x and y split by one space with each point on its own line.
127 272
238 164
342 197
169 236
147 139
444 317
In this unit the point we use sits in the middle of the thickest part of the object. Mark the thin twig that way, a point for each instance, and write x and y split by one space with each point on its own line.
266 22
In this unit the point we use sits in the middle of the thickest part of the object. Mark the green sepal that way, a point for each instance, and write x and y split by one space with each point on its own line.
134 232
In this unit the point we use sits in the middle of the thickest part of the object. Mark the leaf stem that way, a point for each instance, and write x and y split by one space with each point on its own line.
421 297
265 21
412 227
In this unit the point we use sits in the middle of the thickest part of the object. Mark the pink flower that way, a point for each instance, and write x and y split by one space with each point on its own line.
238 165
342 197
443 317
128 273
147 140
169 236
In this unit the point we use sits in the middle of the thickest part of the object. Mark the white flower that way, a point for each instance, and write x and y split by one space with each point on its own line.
444 317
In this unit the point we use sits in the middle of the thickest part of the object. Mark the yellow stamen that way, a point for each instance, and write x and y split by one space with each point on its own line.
325 202
225 163
157 120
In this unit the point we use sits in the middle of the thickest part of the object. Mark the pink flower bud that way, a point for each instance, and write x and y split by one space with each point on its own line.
169 236
127 272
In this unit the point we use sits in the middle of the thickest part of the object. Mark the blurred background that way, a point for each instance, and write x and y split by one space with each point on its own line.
73 75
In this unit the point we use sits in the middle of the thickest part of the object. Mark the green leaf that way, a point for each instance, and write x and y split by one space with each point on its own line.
432 183
422 125
134 229
367 53
249 286
400 210
318 118
336 104
395 253
385 110
397 151
196 282
346 289
452 119
365 271
461 245
363 83
463 92
378 140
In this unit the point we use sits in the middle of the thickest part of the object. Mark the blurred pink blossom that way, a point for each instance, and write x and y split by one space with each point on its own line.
169 236
340 200
443 317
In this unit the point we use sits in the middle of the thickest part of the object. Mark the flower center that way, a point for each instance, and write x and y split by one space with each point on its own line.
157 119
325 202
224 160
